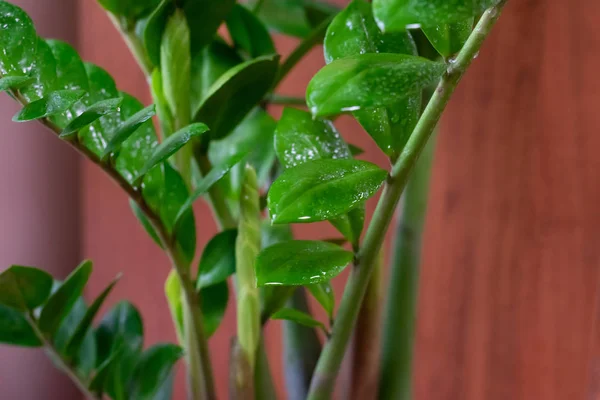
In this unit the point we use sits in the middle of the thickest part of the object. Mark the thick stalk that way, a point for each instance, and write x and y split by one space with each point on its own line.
135 45
398 340
333 353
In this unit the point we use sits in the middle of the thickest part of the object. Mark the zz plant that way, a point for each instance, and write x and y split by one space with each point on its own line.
213 71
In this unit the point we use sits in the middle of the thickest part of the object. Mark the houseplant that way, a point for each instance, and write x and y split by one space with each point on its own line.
210 94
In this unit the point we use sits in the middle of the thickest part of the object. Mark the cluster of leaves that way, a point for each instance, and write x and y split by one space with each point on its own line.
36 311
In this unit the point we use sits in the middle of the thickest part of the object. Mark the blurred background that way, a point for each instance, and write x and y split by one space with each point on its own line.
509 295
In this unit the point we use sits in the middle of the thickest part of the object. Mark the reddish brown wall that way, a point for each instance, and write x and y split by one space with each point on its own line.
511 260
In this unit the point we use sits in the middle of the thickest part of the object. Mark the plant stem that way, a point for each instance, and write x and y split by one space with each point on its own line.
397 351
333 353
59 361
135 45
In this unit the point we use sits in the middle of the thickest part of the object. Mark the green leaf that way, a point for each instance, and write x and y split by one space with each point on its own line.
14 328
90 115
43 71
323 293
128 128
173 293
60 302
55 103
155 26
355 150
173 143
300 262
129 9
83 328
249 33
218 259
208 66
153 369
273 234
204 18
224 108
14 82
18 41
24 288
322 189
213 302
300 317
175 61
448 39
397 14
369 80
165 117
139 214
274 297
213 176
102 374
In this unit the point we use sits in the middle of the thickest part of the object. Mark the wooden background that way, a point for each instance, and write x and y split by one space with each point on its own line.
511 259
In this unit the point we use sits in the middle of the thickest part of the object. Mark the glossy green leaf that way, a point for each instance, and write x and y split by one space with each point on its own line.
274 297
43 72
139 214
85 357
397 14
323 293
129 9
248 32
300 262
369 80
102 373
213 303
355 150
154 29
60 302
213 176
173 143
272 234
208 66
224 108
218 259
449 38
322 189
55 103
14 328
83 328
175 62
127 128
18 41
204 18
90 115
299 317
153 369
14 82
24 288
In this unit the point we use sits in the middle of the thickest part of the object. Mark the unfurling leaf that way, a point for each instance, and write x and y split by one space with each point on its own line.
300 262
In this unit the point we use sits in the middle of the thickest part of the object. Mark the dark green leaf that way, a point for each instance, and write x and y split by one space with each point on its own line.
43 72
300 262
224 108
60 302
129 9
18 41
139 214
173 143
102 374
323 293
272 234
153 369
448 39
14 82
14 328
397 14
249 33
127 128
90 115
322 189
213 176
213 302
155 26
55 103
299 317
24 288
355 150
207 66
204 18
85 324
218 259
369 80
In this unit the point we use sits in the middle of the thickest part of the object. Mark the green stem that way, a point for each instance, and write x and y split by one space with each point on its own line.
135 45
397 351
62 364
217 198
333 353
